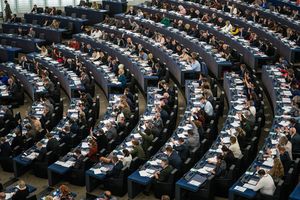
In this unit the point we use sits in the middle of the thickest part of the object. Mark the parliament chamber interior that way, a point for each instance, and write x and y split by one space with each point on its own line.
156 99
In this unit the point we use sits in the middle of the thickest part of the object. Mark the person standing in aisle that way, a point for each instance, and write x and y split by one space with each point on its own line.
7 11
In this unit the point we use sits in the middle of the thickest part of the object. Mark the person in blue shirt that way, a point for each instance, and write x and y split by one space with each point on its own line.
122 78
143 55
173 157
195 63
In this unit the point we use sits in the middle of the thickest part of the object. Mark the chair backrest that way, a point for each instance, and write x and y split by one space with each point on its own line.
73 15
34 22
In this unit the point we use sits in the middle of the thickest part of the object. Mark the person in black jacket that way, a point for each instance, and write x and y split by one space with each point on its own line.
182 148
79 159
101 139
52 144
284 158
174 159
18 140
41 151
22 191
5 149
65 136
117 168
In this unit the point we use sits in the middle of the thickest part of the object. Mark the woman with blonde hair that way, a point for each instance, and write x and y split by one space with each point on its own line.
277 171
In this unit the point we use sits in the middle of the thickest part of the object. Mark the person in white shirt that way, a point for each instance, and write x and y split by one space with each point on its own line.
227 27
96 33
206 106
235 147
265 184
127 158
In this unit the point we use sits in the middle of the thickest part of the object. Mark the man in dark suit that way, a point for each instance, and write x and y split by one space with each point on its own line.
161 176
5 150
117 168
182 148
18 139
52 144
173 157
41 151
79 159
74 128
295 140
65 136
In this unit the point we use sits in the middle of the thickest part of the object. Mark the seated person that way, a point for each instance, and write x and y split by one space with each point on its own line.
22 191
284 158
235 147
117 168
277 171
64 193
147 137
221 166
182 148
52 144
137 150
18 139
265 184
79 159
126 160
5 149
93 149
162 175
174 159
41 151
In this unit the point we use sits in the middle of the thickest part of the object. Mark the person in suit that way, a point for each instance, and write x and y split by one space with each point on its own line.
147 139
295 140
46 116
79 159
122 77
182 148
173 157
221 166
228 156
193 140
5 149
137 150
74 128
52 144
7 11
65 136
106 196
162 175
101 138
111 132
12 87
117 168
18 140
284 158
22 191
41 151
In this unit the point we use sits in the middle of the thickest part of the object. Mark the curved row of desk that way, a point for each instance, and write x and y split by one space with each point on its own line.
103 76
285 48
267 13
280 97
70 82
199 182
216 64
251 56
32 83
63 166
143 77
178 69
